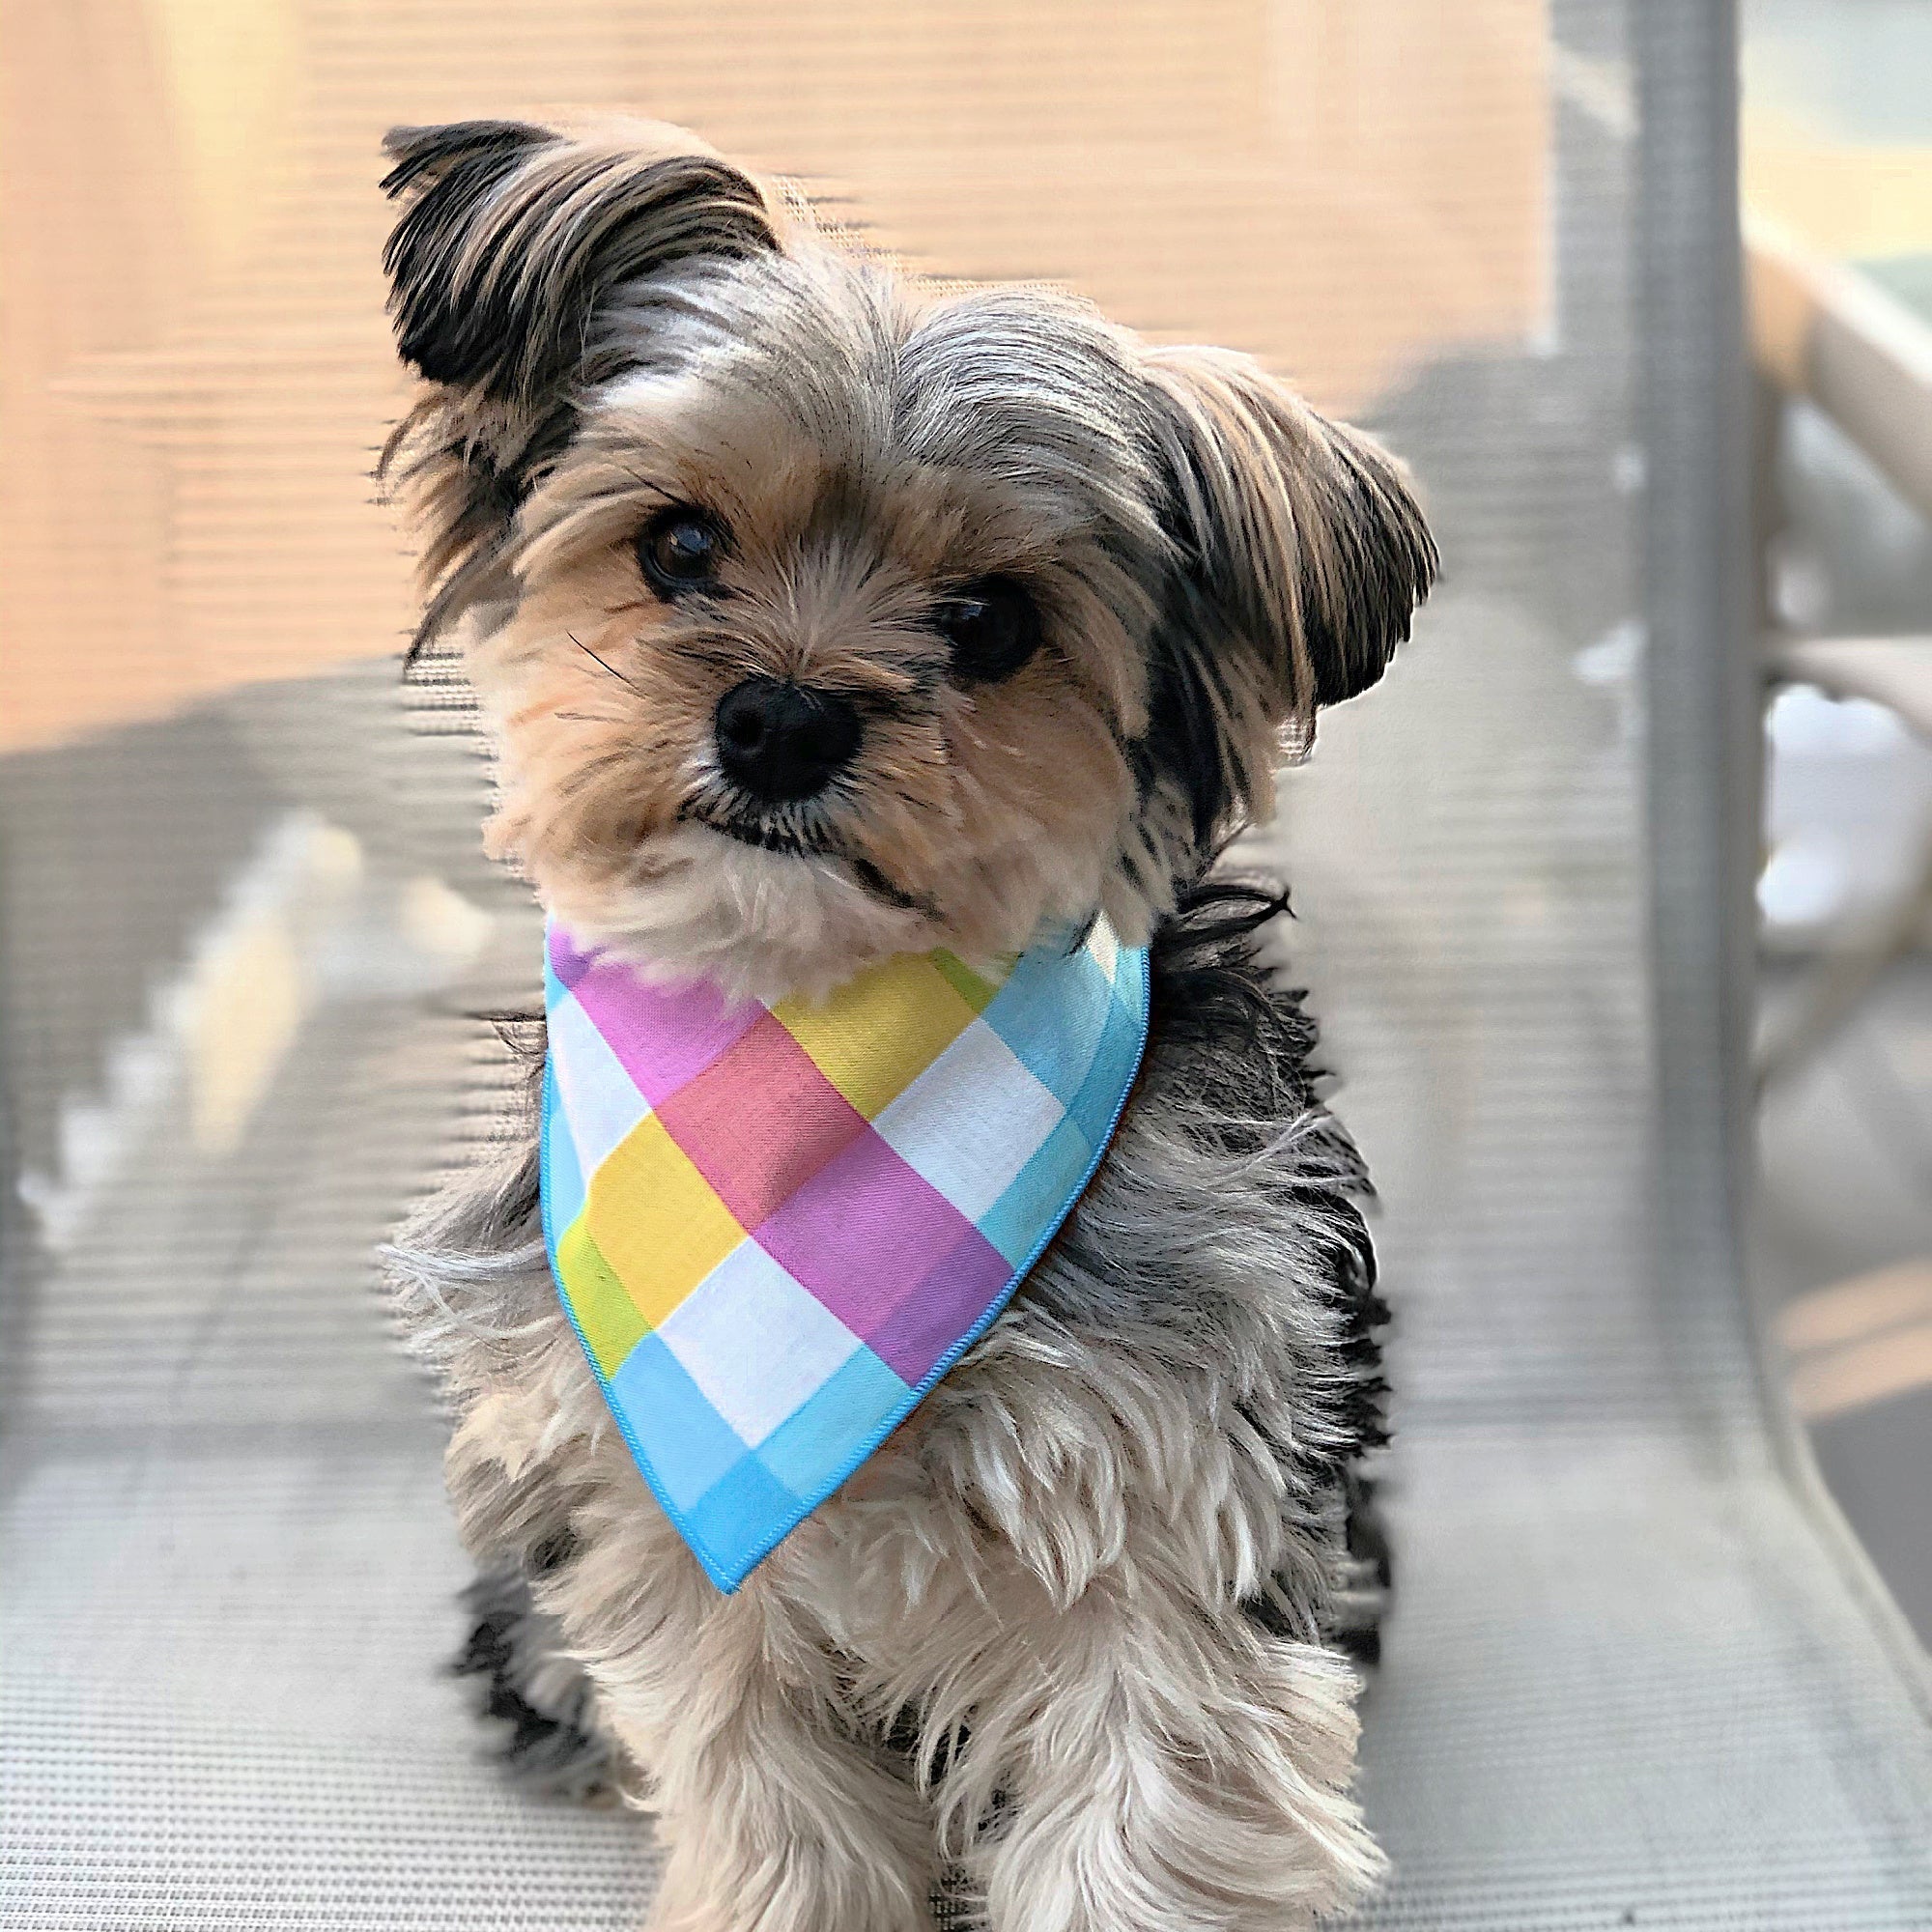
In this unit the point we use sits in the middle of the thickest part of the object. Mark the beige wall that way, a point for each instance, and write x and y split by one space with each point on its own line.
1839 197
195 375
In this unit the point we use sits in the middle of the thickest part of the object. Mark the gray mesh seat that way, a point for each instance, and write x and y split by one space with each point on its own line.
1636 1673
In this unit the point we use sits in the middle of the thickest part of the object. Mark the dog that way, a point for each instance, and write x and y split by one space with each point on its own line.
1028 612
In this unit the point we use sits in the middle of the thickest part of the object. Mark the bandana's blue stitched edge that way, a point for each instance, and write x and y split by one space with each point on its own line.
726 1579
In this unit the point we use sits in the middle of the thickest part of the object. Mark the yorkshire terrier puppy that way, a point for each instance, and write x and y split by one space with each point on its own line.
819 616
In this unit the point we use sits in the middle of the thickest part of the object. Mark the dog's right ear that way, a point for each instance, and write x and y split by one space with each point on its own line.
513 237
513 242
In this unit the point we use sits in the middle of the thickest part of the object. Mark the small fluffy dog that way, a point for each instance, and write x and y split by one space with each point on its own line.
819 616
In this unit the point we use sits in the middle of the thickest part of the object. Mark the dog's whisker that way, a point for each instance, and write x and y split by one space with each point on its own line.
601 662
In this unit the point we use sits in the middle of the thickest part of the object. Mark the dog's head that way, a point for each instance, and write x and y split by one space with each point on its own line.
818 615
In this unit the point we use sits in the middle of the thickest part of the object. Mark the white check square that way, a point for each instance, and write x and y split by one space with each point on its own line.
970 1120
601 1100
755 1342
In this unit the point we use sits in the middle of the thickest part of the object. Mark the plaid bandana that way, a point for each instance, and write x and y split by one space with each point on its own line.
775 1227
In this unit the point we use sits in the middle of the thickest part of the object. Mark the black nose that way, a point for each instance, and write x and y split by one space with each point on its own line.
785 741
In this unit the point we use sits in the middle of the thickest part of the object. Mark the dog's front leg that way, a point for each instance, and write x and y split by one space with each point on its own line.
775 1817
775 1813
1161 1762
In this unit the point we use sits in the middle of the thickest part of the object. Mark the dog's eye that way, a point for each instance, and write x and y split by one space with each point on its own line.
993 627
680 549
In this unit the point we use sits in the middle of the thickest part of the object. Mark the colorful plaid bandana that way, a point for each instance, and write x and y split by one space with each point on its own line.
775 1227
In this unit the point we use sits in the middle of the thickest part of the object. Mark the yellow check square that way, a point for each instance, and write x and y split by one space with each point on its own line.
880 1031
656 1220
603 1309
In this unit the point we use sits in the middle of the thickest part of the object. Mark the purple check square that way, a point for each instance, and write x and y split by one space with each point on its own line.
868 1234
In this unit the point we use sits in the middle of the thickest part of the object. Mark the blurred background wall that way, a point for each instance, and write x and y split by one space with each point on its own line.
197 373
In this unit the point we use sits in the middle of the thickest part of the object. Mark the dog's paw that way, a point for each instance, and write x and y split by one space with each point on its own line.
536 1699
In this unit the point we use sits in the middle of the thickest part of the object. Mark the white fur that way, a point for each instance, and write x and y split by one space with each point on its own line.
759 924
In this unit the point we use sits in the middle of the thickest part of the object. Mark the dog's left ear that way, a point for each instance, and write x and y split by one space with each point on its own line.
513 239
1299 537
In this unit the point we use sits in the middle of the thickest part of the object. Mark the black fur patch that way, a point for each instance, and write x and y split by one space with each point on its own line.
512 1649
1209 988
510 244
1286 595
1386 560
1184 741
1247 1043
451 172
